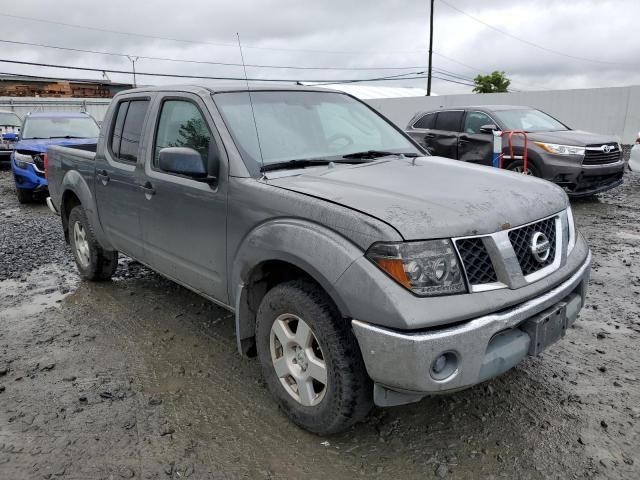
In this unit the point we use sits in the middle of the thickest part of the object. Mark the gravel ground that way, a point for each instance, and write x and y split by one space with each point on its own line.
139 378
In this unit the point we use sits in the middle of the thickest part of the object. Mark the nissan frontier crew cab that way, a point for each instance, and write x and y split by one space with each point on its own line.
360 269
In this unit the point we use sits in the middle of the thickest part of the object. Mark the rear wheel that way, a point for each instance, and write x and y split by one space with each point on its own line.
518 167
310 359
93 261
24 196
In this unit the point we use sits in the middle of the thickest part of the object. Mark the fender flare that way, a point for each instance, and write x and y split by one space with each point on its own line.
320 252
74 182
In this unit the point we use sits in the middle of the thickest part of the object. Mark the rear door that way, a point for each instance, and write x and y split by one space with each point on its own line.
421 129
444 135
117 187
473 145
183 219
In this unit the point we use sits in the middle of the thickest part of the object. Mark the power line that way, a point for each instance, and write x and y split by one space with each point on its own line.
207 77
527 42
203 62
124 55
200 42
410 76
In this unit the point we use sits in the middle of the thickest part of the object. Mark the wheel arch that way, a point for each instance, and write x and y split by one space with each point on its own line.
305 250
76 191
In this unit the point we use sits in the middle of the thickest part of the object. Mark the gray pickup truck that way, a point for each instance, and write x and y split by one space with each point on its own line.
360 270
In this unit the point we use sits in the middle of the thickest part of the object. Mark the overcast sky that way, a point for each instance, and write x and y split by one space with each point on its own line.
338 34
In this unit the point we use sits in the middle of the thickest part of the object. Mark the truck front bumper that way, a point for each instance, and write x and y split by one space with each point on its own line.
29 178
407 366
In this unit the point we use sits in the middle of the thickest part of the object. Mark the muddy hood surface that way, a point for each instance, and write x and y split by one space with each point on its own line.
435 198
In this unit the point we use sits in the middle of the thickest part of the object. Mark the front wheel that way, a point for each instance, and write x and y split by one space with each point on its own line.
310 359
93 261
518 167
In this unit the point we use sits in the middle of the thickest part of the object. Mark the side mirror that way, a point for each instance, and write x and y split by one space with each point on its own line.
183 161
489 128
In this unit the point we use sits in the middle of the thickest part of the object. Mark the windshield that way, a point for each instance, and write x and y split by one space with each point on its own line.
295 125
529 120
9 119
59 127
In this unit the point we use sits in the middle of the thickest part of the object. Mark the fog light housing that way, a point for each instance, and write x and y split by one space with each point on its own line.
444 366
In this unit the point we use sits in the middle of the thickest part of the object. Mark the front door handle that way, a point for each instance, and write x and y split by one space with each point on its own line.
148 189
103 176
429 135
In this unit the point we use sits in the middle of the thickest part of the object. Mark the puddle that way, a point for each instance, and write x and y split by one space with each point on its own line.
629 235
36 291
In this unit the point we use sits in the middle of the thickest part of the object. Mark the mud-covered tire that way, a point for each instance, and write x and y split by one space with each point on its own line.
518 166
94 262
349 391
24 195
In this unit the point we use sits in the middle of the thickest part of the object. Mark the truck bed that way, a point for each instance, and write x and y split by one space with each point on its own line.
62 160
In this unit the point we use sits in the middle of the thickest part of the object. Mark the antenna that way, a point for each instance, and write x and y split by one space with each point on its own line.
253 113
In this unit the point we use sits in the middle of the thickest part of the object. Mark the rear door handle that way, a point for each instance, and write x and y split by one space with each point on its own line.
148 189
103 176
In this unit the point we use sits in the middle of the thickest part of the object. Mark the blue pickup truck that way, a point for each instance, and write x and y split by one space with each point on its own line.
39 131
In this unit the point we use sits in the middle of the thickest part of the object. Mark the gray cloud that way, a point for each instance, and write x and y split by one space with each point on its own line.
343 34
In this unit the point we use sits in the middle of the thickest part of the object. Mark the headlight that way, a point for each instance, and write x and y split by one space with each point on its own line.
561 149
22 160
572 231
426 268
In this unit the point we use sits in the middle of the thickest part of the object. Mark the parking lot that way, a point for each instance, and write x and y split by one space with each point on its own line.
139 378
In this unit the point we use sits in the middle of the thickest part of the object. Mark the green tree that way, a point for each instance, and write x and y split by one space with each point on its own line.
495 82
193 134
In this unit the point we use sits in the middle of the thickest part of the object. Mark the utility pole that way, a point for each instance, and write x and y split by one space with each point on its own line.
430 49
133 61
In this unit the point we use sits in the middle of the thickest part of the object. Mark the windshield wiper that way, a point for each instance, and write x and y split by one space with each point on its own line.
377 153
308 162
65 136
304 162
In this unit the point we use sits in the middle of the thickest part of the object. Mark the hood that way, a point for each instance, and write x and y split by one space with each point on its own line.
40 145
433 198
578 138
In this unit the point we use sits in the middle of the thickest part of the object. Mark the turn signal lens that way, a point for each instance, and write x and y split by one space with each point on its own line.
395 269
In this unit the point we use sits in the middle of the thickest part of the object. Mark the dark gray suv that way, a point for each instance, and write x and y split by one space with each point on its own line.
582 163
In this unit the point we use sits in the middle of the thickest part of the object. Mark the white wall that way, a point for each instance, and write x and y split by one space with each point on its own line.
613 111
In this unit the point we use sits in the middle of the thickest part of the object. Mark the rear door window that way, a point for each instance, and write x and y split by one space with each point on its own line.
127 130
426 122
116 135
449 121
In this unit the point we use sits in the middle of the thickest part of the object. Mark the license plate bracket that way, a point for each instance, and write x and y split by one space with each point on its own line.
546 328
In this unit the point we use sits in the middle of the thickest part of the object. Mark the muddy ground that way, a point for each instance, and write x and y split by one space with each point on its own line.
140 378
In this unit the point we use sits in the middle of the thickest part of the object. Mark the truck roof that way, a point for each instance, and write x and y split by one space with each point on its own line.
225 87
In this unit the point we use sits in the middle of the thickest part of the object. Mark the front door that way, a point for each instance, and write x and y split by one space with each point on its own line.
117 189
473 145
183 219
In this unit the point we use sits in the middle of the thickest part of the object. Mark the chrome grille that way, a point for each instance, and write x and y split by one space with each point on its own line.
476 261
595 155
521 242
